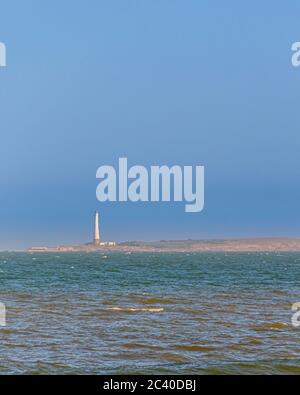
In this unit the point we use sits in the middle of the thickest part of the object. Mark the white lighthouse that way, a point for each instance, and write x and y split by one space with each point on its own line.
97 231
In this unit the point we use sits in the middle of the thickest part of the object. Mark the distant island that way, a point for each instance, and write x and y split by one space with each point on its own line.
215 245
224 245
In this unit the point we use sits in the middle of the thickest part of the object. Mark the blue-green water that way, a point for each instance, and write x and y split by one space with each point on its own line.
149 313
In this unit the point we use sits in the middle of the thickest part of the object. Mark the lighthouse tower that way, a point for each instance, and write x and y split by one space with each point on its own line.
96 231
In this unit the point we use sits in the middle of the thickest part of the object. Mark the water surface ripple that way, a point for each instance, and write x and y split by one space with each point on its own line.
210 313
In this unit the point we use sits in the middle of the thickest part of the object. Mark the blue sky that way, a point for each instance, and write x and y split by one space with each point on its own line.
160 82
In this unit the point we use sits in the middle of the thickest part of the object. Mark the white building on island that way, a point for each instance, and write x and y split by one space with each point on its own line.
97 238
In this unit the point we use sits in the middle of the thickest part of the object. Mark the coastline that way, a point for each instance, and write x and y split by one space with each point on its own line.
216 245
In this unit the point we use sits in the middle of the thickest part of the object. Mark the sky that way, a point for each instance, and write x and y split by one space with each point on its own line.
161 82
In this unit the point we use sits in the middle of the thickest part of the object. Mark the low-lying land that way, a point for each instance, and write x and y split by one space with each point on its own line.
228 245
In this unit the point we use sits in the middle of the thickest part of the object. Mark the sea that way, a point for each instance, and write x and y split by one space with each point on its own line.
149 313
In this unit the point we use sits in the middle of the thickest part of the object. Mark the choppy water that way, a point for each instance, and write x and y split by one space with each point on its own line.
149 313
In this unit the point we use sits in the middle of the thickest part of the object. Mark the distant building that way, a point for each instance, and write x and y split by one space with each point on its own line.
92 246
38 249
97 238
97 229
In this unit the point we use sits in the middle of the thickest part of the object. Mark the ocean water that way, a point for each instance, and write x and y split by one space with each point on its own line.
151 313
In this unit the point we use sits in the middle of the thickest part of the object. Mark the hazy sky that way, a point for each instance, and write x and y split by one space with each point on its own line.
161 82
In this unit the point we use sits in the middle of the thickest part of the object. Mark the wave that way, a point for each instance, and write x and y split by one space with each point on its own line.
194 348
130 309
270 326
155 300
